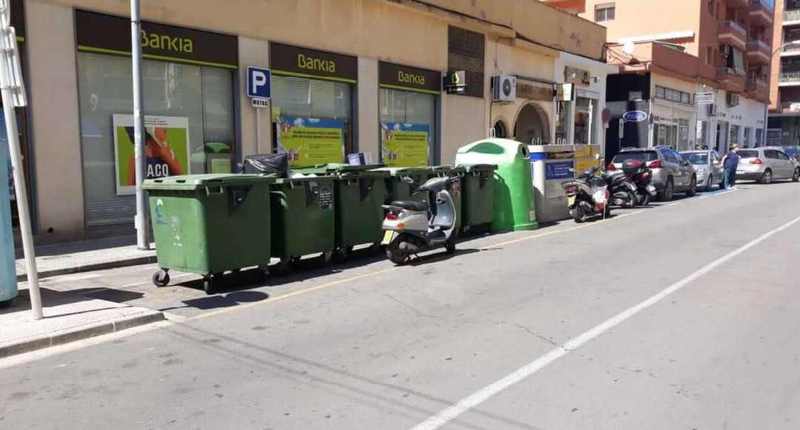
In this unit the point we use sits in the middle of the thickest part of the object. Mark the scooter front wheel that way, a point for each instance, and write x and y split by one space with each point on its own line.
450 246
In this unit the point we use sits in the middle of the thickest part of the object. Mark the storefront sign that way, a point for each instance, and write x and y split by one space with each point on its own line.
296 61
635 116
399 77
466 50
112 35
405 145
166 148
311 141
559 170
577 76
534 92
455 82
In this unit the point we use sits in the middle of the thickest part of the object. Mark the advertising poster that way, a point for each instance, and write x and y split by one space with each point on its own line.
405 145
166 146
311 141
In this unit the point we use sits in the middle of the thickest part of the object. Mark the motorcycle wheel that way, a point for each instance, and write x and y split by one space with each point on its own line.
395 255
577 214
630 201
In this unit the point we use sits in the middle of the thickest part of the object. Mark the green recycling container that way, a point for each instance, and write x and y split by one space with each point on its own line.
477 198
303 216
399 190
360 195
210 224
513 207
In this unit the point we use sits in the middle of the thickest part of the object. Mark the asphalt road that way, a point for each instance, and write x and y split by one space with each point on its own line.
683 316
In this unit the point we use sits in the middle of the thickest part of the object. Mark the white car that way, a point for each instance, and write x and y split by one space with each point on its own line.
708 165
765 165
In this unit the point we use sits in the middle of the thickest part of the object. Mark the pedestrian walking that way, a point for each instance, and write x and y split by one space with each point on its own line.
730 163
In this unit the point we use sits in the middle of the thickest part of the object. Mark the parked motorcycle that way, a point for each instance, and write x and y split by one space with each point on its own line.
621 188
412 227
587 196
642 177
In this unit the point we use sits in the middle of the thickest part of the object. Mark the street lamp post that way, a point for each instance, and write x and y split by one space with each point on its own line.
141 221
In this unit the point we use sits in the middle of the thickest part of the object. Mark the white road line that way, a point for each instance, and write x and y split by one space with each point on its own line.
464 405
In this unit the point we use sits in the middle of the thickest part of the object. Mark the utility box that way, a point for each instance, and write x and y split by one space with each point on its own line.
513 207
8 271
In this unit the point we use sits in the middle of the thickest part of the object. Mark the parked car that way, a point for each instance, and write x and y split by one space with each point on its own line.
766 164
671 173
708 165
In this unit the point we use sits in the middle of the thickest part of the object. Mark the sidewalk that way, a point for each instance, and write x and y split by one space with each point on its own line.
67 317
83 256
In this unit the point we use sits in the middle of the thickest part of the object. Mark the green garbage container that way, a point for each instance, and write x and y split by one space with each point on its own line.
360 195
513 207
399 190
303 217
209 224
477 198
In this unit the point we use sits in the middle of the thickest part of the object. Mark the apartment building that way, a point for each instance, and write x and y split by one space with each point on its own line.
784 117
355 68
668 53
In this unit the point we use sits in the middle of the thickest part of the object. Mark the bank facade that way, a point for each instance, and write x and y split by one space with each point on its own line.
355 72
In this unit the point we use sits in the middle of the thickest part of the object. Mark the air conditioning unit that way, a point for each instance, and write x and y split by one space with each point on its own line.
732 99
504 88
711 110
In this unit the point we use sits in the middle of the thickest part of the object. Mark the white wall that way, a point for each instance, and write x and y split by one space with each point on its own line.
368 115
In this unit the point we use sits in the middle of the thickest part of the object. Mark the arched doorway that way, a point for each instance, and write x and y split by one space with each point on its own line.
531 127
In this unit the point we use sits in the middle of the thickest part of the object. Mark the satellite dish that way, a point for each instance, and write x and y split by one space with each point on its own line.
628 47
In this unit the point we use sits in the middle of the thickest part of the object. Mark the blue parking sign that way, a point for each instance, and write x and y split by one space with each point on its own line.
258 83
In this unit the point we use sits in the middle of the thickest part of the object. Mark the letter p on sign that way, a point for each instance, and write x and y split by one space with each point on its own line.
258 83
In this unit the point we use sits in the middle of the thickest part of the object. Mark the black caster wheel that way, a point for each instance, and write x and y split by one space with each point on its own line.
161 278
326 257
283 267
210 284
264 271
343 254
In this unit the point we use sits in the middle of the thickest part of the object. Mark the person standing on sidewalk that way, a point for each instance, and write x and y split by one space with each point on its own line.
730 163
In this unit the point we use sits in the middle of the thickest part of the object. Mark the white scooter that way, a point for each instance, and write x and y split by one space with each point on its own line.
412 227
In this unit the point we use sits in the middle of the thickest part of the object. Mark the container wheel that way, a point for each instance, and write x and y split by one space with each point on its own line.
283 267
161 278
210 284
343 253
326 257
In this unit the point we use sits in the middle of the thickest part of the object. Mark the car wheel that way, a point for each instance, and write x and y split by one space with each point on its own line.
669 189
766 178
692 191
796 176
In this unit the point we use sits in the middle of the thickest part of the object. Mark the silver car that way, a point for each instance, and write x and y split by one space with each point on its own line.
708 165
765 165
671 173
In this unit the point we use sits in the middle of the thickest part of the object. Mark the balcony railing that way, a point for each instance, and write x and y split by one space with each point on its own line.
791 15
790 77
762 11
733 33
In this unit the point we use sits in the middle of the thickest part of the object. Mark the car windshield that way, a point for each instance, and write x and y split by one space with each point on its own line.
635 155
747 153
696 158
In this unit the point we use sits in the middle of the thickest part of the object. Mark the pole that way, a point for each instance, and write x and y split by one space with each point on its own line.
258 131
142 223
13 95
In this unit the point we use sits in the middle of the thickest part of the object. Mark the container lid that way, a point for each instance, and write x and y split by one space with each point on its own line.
394 171
302 179
194 182
478 167
492 151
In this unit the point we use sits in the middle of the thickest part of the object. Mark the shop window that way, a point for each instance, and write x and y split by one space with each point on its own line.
562 123
302 104
734 135
746 137
585 113
408 127
604 12
189 127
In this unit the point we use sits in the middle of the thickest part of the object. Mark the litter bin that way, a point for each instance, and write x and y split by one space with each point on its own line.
8 270
399 190
513 207
303 218
210 224
477 198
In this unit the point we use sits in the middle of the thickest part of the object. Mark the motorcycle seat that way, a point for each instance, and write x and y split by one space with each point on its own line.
411 205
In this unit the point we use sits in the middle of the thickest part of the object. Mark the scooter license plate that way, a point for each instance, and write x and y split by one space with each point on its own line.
570 201
388 237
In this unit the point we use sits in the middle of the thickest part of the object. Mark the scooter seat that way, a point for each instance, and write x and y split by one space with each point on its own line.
411 205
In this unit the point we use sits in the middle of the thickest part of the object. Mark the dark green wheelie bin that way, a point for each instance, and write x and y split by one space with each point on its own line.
397 189
477 187
360 195
209 224
303 218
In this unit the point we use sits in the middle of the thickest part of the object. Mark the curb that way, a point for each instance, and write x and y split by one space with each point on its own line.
79 334
92 267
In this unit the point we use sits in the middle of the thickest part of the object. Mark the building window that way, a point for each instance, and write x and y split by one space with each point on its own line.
604 12
711 6
673 95
746 139
734 139
585 114
408 127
